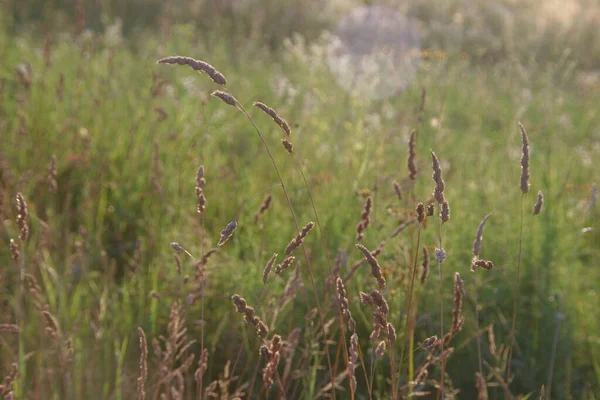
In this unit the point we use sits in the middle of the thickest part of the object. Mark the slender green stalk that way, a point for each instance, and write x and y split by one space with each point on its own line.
443 372
409 308
516 298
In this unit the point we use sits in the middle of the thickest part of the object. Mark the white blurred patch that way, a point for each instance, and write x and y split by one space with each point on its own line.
374 52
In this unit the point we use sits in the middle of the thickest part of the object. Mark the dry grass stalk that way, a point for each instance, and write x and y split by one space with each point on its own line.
268 267
263 208
375 268
200 182
227 232
6 388
196 65
141 382
365 220
273 355
412 153
403 226
201 370
51 178
285 264
299 239
438 191
481 387
458 320
250 316
22 214
524 161
539 203
398 189
278 120
227 98
425 265
9 328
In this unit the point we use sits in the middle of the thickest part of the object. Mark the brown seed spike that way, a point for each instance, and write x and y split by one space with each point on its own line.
398 190
420 212
425 265
299 239
412 169
445 213
287 145
375 268
539 203
196 65
278 120
227 232
225 97
438 192
478 241
524 160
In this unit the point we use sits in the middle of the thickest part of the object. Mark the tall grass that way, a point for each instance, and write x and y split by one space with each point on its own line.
98 264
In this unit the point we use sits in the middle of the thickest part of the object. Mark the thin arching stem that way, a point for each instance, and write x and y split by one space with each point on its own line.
310 273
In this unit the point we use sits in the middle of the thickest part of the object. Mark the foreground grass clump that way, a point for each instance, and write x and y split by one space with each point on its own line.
115 236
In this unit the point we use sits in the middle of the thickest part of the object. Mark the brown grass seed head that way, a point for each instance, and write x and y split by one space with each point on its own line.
196 65
425 265
268 267
539 203
438 191
278 120
412 169
445 213
299 239
524 160
375 268
227 232
420 212
225 97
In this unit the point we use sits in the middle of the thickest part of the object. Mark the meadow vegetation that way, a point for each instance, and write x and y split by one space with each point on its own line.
141 202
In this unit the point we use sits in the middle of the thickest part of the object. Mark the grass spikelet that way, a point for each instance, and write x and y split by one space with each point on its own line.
141 382
200 182
445 213
263 208
268 267
539 203
365 220
438 191
227 232
425 265
22 214
225 97
412 153
14 250
278 120
285 264
524 160
299 239
397 189
287 145
420 213
250 316
344 304
273 355
196 65
375 268
353 359
51 178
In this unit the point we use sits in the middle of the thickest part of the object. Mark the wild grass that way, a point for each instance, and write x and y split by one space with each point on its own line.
104 148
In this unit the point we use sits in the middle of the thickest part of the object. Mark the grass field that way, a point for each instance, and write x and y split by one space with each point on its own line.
112 241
